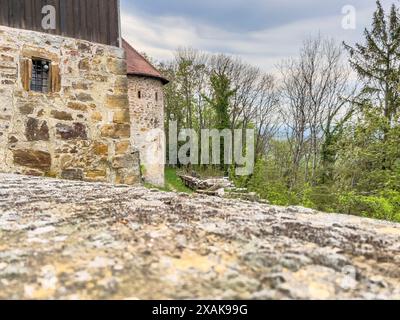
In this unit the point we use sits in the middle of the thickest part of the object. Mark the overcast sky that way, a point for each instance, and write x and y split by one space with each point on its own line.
262 32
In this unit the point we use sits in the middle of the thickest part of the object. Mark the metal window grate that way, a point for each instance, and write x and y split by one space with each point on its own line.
40 76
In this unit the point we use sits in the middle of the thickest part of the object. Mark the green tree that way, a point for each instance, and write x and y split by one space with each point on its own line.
377 62
220 102
372 142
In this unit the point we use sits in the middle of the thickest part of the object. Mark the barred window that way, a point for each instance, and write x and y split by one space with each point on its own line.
40 75
40 81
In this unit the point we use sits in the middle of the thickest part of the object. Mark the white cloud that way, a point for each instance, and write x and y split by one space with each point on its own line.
159 36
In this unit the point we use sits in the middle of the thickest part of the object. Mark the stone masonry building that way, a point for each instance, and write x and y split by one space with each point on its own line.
77 102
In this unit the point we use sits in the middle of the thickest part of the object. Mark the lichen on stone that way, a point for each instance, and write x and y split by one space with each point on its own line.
76 240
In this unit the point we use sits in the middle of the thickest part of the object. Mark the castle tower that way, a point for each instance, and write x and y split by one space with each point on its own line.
146 102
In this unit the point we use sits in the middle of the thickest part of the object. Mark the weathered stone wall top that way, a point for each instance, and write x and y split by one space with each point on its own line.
81 130
65 239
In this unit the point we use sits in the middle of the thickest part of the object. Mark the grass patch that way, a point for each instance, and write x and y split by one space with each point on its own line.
172 183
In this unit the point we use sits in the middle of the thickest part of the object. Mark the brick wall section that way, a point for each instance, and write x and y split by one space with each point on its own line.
81 132
147 118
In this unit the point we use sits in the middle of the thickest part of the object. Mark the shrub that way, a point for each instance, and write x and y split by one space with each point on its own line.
377 207
321 198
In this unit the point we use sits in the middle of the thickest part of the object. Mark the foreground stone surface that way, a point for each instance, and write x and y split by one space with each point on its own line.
74 240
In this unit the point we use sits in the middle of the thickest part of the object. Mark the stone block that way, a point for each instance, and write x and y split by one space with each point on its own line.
117 66
84 97
36 130
12 139
96 175
121 85
61 115
126 179
116 131
122 147
77 106
84 64
100 149
32 159
65 161
7 82
72 174
123 161
117 101
76 131
96 116
5 117
26 109
121 116
34 173
80 86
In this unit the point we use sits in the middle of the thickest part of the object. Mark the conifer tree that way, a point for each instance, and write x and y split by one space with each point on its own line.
377 62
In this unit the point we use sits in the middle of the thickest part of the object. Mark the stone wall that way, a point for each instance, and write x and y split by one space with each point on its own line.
147 117
80 131
158 245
